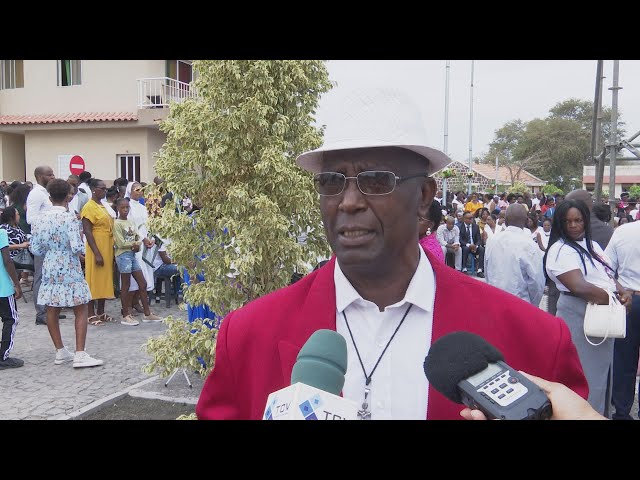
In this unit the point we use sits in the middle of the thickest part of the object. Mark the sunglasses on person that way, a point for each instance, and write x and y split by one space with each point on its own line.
137 189
373 182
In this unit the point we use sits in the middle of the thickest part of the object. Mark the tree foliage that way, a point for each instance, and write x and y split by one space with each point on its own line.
554 148
232 152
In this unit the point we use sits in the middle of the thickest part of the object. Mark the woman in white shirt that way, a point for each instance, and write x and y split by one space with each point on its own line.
581 271
543 234
490 228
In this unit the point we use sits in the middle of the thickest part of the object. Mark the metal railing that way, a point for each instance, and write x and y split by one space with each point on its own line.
161 91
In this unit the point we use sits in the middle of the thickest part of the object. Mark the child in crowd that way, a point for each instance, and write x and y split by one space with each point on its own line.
127 242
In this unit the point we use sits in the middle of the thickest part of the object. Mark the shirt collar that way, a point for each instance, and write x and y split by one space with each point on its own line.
511 228
423 281
57 208
37 186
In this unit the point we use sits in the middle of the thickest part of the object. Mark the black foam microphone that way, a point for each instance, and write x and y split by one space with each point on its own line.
467 369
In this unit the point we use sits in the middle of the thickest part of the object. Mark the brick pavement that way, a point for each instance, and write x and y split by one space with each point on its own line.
42 390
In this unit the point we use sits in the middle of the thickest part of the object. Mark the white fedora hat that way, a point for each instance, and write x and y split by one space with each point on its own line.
374 117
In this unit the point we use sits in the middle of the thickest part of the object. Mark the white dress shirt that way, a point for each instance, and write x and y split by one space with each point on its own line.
513 263
624 252
399 387
448 237
544 237
86 188
38 202
562 258
490 233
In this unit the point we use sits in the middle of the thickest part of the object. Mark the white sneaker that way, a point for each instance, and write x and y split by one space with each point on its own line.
83 359
63 356
129 320
152 318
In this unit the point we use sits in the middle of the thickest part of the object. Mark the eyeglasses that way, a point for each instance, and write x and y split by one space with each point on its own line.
137 189
373 182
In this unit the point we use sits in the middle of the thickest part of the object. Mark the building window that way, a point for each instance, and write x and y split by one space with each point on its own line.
129 167
69 73
11 74
180 70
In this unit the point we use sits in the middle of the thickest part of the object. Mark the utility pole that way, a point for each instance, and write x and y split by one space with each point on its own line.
446 108
496 187
470 132
596 132
446 129
613 138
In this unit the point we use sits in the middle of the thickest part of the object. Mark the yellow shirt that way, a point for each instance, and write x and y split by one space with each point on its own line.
473 207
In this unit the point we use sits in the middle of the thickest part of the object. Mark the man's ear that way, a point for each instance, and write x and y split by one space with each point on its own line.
428 191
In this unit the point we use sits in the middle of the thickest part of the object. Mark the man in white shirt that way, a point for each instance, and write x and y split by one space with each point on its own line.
513 262
85 178
79 199
38 202
624 252
448 236
458 202
438 197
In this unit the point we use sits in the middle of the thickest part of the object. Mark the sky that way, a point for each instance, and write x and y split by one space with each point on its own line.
503 90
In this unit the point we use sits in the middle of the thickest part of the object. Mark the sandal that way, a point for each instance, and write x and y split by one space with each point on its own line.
105 318
97 322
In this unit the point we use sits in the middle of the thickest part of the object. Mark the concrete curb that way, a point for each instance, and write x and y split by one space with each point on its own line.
103 402
159 396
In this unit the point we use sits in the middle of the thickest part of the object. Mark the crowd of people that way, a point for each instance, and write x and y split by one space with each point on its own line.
82 242
527 245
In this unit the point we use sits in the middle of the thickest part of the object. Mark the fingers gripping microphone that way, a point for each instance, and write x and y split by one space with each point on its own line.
467 369
317 379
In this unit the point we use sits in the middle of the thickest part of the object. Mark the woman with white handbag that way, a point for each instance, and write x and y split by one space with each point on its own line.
582 273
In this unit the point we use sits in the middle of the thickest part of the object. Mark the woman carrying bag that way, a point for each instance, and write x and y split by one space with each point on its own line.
581 271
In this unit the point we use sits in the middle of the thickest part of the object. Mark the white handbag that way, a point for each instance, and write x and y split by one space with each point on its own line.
606 321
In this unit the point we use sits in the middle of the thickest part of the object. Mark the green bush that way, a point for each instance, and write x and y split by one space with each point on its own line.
180 346
634 191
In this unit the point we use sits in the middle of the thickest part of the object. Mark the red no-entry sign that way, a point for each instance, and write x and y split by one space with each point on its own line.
76 165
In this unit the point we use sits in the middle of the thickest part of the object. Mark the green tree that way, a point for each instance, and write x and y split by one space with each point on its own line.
508 146
554 148
232 152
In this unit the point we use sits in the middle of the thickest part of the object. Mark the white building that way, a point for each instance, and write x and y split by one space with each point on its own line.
104 111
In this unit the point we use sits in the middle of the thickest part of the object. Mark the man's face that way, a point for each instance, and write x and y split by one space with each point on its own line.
3 184
375 230
449 223
46 176
467 218
74 185
459 215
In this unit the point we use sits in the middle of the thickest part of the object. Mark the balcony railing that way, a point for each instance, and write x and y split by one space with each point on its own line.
160 92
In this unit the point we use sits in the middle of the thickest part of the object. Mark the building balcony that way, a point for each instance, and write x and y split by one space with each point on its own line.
161 91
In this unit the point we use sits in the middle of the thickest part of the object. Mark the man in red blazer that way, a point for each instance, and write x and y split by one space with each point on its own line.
388 298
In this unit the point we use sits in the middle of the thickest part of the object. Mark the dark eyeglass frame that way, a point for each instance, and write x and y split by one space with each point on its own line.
396 181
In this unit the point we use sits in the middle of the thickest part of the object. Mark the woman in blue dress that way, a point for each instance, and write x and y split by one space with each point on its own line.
56 237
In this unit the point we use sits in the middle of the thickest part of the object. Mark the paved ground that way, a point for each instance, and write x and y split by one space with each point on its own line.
118 390
42 390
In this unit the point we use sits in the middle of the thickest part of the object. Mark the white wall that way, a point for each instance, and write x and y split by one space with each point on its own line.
106 86
11 157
